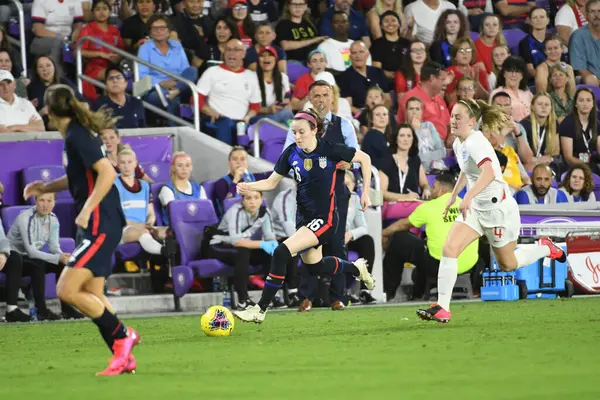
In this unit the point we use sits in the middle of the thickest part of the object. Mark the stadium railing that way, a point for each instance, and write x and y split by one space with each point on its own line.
136 77
22 38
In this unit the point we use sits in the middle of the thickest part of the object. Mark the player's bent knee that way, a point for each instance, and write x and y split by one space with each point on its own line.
65 293
507 267
451 249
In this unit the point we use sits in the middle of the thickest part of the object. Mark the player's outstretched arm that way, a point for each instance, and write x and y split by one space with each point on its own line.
263 185
38 187
461 182
365 166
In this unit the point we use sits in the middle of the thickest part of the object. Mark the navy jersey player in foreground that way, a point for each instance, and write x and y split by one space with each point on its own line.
100 221
314 164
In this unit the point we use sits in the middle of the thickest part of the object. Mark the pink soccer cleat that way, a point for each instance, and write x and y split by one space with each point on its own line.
556 253
434 313
116 366
134 335
131 365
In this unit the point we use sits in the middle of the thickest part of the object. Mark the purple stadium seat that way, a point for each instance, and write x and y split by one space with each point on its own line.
295 70
431 180
189 219
209 188
10 214
474 35
513 37
159 171
272 138
128 251
155 190
25 281
46 173
186 111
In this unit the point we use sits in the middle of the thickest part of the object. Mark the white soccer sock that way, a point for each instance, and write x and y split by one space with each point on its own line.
10 308
292 291
149 244
447 275
529 253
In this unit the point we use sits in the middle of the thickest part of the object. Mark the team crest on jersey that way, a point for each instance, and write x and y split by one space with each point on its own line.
192 209
308 164
322 162
464 155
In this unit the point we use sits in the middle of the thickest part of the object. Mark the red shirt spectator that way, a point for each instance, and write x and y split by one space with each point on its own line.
402 85
302 85
434 106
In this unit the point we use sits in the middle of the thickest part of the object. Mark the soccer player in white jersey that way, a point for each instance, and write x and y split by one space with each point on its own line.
486 209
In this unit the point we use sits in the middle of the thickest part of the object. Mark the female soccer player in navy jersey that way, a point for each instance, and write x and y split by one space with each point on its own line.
314 164
90 178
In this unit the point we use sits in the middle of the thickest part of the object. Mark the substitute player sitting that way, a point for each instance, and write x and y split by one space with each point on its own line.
486 209
137 206
314 164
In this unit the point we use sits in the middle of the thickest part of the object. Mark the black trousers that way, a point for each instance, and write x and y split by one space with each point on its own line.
336 248
240 258
18 266
365 247
403 247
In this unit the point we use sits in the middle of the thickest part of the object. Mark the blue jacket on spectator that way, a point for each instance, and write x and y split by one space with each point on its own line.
132 113
553 196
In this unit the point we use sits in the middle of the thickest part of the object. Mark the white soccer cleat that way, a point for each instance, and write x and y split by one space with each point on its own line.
251 314
365 276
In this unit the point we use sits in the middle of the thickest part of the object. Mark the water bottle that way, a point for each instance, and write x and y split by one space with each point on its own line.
226 296
216 284
32 311
241 128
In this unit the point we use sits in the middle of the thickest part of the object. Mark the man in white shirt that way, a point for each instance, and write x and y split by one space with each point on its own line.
16 114
426 14
570 18
337 48
229 93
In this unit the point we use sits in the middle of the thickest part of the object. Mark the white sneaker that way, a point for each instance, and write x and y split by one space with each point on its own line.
365 276
251 314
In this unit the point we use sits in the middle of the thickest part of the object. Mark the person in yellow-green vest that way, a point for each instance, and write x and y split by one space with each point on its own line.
404 247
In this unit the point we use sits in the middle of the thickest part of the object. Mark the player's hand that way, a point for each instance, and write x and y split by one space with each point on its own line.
451 201
83 218
365 201
344 165
465 206
33 189
347 237
242 188
2 260
238 173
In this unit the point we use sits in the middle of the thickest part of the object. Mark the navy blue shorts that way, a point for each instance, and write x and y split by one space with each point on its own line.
323 226
95 252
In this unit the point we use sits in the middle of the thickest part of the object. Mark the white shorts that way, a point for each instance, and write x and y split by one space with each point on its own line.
499 225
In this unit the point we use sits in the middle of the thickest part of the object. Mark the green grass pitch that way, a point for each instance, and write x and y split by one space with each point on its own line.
545 349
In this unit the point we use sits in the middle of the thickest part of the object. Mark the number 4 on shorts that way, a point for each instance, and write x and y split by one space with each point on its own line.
498 233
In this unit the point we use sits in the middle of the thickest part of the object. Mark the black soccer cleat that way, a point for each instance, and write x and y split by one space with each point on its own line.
46 315
434 313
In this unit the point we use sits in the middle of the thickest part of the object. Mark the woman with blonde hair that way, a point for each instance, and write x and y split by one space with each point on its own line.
500 52
112 142
561 89
541 129
487 207
180 187
90 178
381 6
490 35
137 206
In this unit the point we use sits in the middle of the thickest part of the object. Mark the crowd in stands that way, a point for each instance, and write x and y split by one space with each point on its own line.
392 69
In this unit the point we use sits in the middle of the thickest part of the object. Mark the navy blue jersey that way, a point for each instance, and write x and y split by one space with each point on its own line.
316 174
82 150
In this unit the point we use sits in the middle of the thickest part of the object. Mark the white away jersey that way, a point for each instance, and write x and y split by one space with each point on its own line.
471 153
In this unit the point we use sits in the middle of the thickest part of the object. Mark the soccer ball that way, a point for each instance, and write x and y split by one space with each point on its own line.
217 321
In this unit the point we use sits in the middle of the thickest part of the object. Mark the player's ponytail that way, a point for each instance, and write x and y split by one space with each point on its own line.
313 119
62 103
489 118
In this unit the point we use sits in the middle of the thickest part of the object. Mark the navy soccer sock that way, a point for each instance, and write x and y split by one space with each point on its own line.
330 266
276 276
110 328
